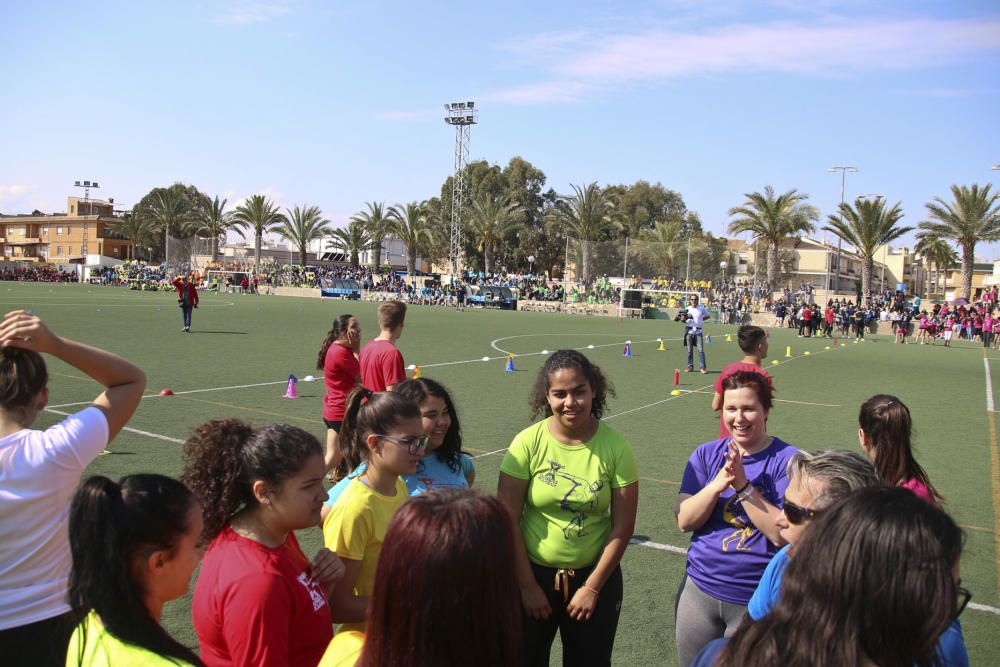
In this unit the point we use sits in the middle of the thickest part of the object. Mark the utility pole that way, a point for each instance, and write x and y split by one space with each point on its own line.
843 184
86 185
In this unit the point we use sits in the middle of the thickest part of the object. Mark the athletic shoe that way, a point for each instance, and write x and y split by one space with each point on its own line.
704 370
689 369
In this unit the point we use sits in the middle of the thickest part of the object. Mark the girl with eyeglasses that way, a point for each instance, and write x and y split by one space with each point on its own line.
385 430
729 499
259 600
874 581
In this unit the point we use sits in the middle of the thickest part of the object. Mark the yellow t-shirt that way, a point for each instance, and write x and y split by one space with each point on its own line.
102 649
567 510
344 649
355 527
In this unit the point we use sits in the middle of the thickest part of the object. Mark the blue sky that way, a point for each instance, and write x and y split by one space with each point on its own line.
336 104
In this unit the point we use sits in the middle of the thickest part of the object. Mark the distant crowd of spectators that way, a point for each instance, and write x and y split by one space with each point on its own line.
39 274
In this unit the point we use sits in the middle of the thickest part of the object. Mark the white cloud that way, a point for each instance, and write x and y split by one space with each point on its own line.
11 192
245 12
580 63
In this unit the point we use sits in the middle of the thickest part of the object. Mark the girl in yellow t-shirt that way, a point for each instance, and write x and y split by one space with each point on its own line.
135 545
385 430
571 484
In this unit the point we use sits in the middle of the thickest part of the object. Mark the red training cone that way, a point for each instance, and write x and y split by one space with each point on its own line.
166 392
290 391
677 377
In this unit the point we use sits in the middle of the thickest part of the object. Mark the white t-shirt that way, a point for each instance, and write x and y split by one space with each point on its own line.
696 316
39 473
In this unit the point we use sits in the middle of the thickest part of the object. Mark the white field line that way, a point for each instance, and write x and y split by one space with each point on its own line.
148 434
189 391
989 386
102 306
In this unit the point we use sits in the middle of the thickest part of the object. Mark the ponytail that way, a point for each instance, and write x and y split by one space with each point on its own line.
110 526
367 412
888 426
224 457
340 324
23 376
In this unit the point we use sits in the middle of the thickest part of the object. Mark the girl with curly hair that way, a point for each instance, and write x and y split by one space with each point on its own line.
571 486
259 600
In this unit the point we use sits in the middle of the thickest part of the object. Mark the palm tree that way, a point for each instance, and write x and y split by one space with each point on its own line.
587 215
301 227
867 226
354 240
168 211
939 252
213 222
661 245
259 214
377 224
973 215
412 225
772 219
137 229
489 221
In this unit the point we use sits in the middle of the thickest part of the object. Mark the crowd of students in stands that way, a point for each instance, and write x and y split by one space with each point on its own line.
795 557
40 274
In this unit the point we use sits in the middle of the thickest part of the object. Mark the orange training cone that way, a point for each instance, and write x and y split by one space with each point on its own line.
290 391
416 372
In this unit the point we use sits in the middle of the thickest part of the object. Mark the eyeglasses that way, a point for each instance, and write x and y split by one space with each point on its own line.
797 514
416 445
964 595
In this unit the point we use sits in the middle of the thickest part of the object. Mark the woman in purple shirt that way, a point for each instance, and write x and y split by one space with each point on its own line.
729 498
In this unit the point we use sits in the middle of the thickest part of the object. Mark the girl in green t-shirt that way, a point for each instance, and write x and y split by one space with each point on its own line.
571 484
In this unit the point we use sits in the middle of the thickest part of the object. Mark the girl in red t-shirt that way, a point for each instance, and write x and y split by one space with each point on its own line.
338 359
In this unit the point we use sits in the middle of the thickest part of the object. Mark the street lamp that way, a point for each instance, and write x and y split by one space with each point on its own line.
843 169
531 262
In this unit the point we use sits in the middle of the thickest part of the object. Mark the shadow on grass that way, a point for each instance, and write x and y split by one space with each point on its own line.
237 333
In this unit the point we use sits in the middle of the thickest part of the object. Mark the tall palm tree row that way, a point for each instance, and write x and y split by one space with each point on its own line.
213 222
587 215
377 224
302 226
412 225
773 218
867 225
489 220
259 214
169 211
938 252
973 215
138 229
354 240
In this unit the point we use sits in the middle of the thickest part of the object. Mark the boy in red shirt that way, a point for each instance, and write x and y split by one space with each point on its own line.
753 343
381 362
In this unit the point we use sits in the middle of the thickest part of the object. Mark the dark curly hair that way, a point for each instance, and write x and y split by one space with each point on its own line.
224 457
340 324
418 390
569 359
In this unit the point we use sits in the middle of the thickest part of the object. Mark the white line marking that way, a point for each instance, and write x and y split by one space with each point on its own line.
494 342
495 451
127 428
989 386
984 607
188 391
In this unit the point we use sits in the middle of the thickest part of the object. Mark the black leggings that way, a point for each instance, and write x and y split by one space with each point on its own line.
38 644
585 643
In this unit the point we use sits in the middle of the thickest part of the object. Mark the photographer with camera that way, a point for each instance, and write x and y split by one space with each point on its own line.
693 317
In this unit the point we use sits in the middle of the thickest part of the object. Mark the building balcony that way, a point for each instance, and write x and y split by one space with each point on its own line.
23 241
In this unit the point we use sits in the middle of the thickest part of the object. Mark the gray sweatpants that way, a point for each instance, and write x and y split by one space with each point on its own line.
700 618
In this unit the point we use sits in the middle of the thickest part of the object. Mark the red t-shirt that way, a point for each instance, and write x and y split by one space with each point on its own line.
258 606
381 365
342 373
731 369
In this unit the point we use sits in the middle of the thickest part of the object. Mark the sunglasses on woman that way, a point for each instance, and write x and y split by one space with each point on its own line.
415 444
796 514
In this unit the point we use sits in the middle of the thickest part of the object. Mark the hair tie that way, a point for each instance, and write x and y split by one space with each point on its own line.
367 393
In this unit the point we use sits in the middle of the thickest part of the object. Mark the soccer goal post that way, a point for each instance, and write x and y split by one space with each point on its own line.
652 304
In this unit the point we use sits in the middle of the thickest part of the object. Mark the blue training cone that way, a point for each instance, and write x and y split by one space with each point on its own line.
708 340
509 368
628 350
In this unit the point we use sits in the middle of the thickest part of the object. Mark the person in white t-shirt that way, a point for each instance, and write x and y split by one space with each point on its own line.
693 317
39 471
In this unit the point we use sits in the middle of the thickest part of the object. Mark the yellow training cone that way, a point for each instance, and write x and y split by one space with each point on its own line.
788 351
827 347
775 362
663 346
729 338
416 372
675 392
807 353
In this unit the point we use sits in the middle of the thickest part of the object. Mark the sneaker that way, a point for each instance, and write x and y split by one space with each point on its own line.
704 370
689 369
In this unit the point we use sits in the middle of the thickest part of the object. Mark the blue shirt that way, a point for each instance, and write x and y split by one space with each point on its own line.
432 473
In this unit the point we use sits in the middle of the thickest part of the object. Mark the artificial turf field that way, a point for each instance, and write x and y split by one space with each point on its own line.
242 348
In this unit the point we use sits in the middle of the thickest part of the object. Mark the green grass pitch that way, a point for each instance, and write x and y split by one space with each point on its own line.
242 348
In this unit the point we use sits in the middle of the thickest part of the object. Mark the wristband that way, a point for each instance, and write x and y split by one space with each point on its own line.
596 593
745 493
741 490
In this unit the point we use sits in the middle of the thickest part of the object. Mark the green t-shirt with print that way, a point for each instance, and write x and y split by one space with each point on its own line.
567 510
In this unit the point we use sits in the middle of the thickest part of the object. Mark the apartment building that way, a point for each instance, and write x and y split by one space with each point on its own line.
64 238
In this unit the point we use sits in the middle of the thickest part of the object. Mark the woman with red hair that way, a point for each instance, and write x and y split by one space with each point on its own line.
445 593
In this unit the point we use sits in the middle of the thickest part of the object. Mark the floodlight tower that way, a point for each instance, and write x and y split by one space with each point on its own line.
462 115
843 169
86 185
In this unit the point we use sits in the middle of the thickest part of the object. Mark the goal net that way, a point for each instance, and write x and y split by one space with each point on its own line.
652 304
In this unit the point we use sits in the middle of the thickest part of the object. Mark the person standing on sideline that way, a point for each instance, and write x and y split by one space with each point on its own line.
381 361
187 299
693 317
753 342
342 373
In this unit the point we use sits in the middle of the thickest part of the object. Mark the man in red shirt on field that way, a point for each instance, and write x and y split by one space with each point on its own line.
381 362
187 299
753 343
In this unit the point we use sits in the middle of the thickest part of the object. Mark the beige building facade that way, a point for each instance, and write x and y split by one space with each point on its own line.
64 238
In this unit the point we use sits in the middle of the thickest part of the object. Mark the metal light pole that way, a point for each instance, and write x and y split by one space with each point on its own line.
462 115
86 185
843 184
